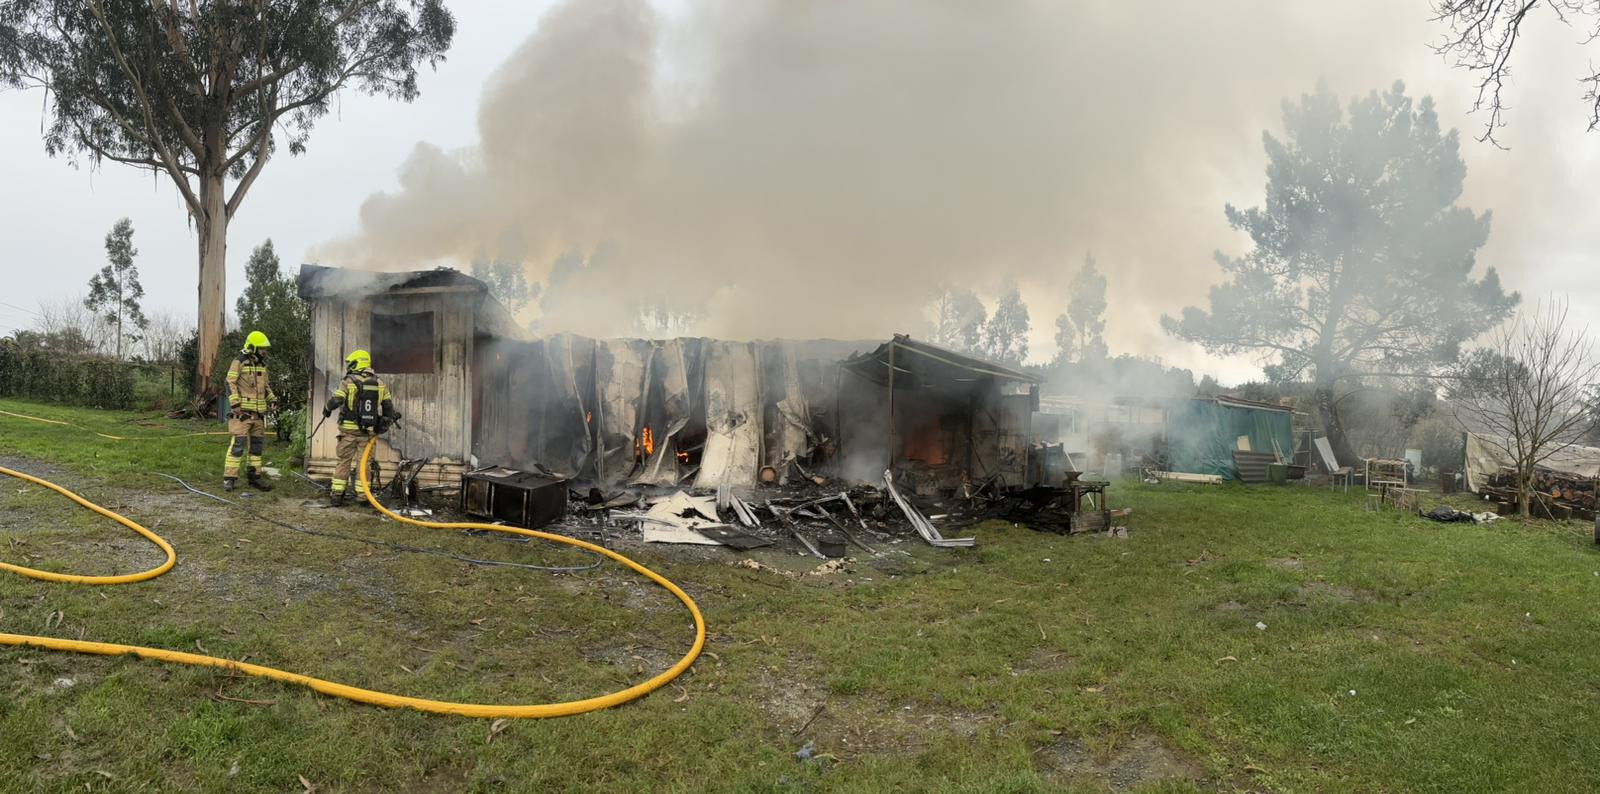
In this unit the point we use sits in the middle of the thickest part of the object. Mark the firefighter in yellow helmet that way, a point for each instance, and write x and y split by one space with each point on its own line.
365 410
249 398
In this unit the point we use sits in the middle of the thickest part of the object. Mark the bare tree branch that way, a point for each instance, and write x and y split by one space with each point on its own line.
1526 392
1483 38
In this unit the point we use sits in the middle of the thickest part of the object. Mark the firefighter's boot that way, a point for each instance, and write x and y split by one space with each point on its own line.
336 500
259 482
229 483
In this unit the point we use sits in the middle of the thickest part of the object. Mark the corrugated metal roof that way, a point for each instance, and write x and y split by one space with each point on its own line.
1236 402
930 363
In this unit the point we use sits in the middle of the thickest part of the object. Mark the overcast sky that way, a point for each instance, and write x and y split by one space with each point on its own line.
1117 128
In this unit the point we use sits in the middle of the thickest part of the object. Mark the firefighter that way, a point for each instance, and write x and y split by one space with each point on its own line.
249 398
365 410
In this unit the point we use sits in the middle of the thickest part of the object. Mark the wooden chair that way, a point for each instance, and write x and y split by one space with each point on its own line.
1341 475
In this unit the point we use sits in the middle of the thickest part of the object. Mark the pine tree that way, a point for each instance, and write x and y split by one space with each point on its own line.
1066 341
959 321
1087 311
1005 336
508 283
116 290
1361 262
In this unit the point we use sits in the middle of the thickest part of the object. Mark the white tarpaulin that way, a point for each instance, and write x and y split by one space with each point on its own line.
1485 456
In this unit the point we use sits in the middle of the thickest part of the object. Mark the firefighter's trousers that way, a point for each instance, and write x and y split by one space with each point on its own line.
350 446
248 434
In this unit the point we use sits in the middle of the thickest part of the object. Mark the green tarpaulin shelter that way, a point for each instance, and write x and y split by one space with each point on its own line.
1203 433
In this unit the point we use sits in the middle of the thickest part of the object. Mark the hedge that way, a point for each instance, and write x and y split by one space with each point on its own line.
73 380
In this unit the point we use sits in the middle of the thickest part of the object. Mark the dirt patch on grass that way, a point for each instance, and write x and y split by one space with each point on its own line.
1128 765
1046 660
441 778
1287 563
634 659
855 726
617 587
791 704
852 726
1323 591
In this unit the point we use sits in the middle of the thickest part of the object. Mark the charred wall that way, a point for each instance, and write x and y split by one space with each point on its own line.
658 412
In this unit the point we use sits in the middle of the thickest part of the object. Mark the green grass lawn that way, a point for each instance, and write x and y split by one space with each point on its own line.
1397 654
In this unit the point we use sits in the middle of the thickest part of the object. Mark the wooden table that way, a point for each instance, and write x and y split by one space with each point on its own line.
1089 488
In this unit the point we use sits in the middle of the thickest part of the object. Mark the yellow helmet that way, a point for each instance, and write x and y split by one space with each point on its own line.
358 359
255 341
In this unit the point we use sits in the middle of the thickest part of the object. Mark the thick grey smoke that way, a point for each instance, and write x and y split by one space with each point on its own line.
820 169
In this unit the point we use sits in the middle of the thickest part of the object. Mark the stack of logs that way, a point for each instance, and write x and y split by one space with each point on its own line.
1555 495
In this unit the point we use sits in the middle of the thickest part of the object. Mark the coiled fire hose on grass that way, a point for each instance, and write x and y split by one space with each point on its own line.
333 688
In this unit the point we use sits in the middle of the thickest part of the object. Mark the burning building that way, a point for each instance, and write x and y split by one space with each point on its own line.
477 392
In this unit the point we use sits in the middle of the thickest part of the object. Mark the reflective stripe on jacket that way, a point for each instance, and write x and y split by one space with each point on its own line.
248 388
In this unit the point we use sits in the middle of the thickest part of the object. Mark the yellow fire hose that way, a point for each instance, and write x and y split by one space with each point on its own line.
112 437
331 687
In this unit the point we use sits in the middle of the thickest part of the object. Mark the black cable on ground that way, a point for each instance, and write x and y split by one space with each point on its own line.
385 544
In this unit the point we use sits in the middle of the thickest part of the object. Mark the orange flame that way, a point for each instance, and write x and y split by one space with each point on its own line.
588 416
683 457
646 445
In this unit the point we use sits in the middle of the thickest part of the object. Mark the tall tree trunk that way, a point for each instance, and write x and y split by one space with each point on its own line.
1329 411
212 226
1524 502
1525 491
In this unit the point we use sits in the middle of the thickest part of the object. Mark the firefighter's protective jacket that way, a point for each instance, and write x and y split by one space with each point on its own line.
349 391
248 388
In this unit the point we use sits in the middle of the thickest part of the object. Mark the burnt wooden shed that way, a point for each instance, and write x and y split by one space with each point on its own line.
422 328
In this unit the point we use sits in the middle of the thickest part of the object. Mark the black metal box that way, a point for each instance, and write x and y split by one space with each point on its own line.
516 497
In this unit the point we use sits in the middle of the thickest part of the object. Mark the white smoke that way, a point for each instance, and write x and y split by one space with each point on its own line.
820 169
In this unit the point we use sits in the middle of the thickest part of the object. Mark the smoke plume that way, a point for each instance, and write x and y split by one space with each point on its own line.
821 169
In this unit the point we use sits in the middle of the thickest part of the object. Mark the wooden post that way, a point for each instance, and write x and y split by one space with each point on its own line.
838 418
889 461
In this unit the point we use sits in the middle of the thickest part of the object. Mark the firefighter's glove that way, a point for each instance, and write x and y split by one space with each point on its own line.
327 412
